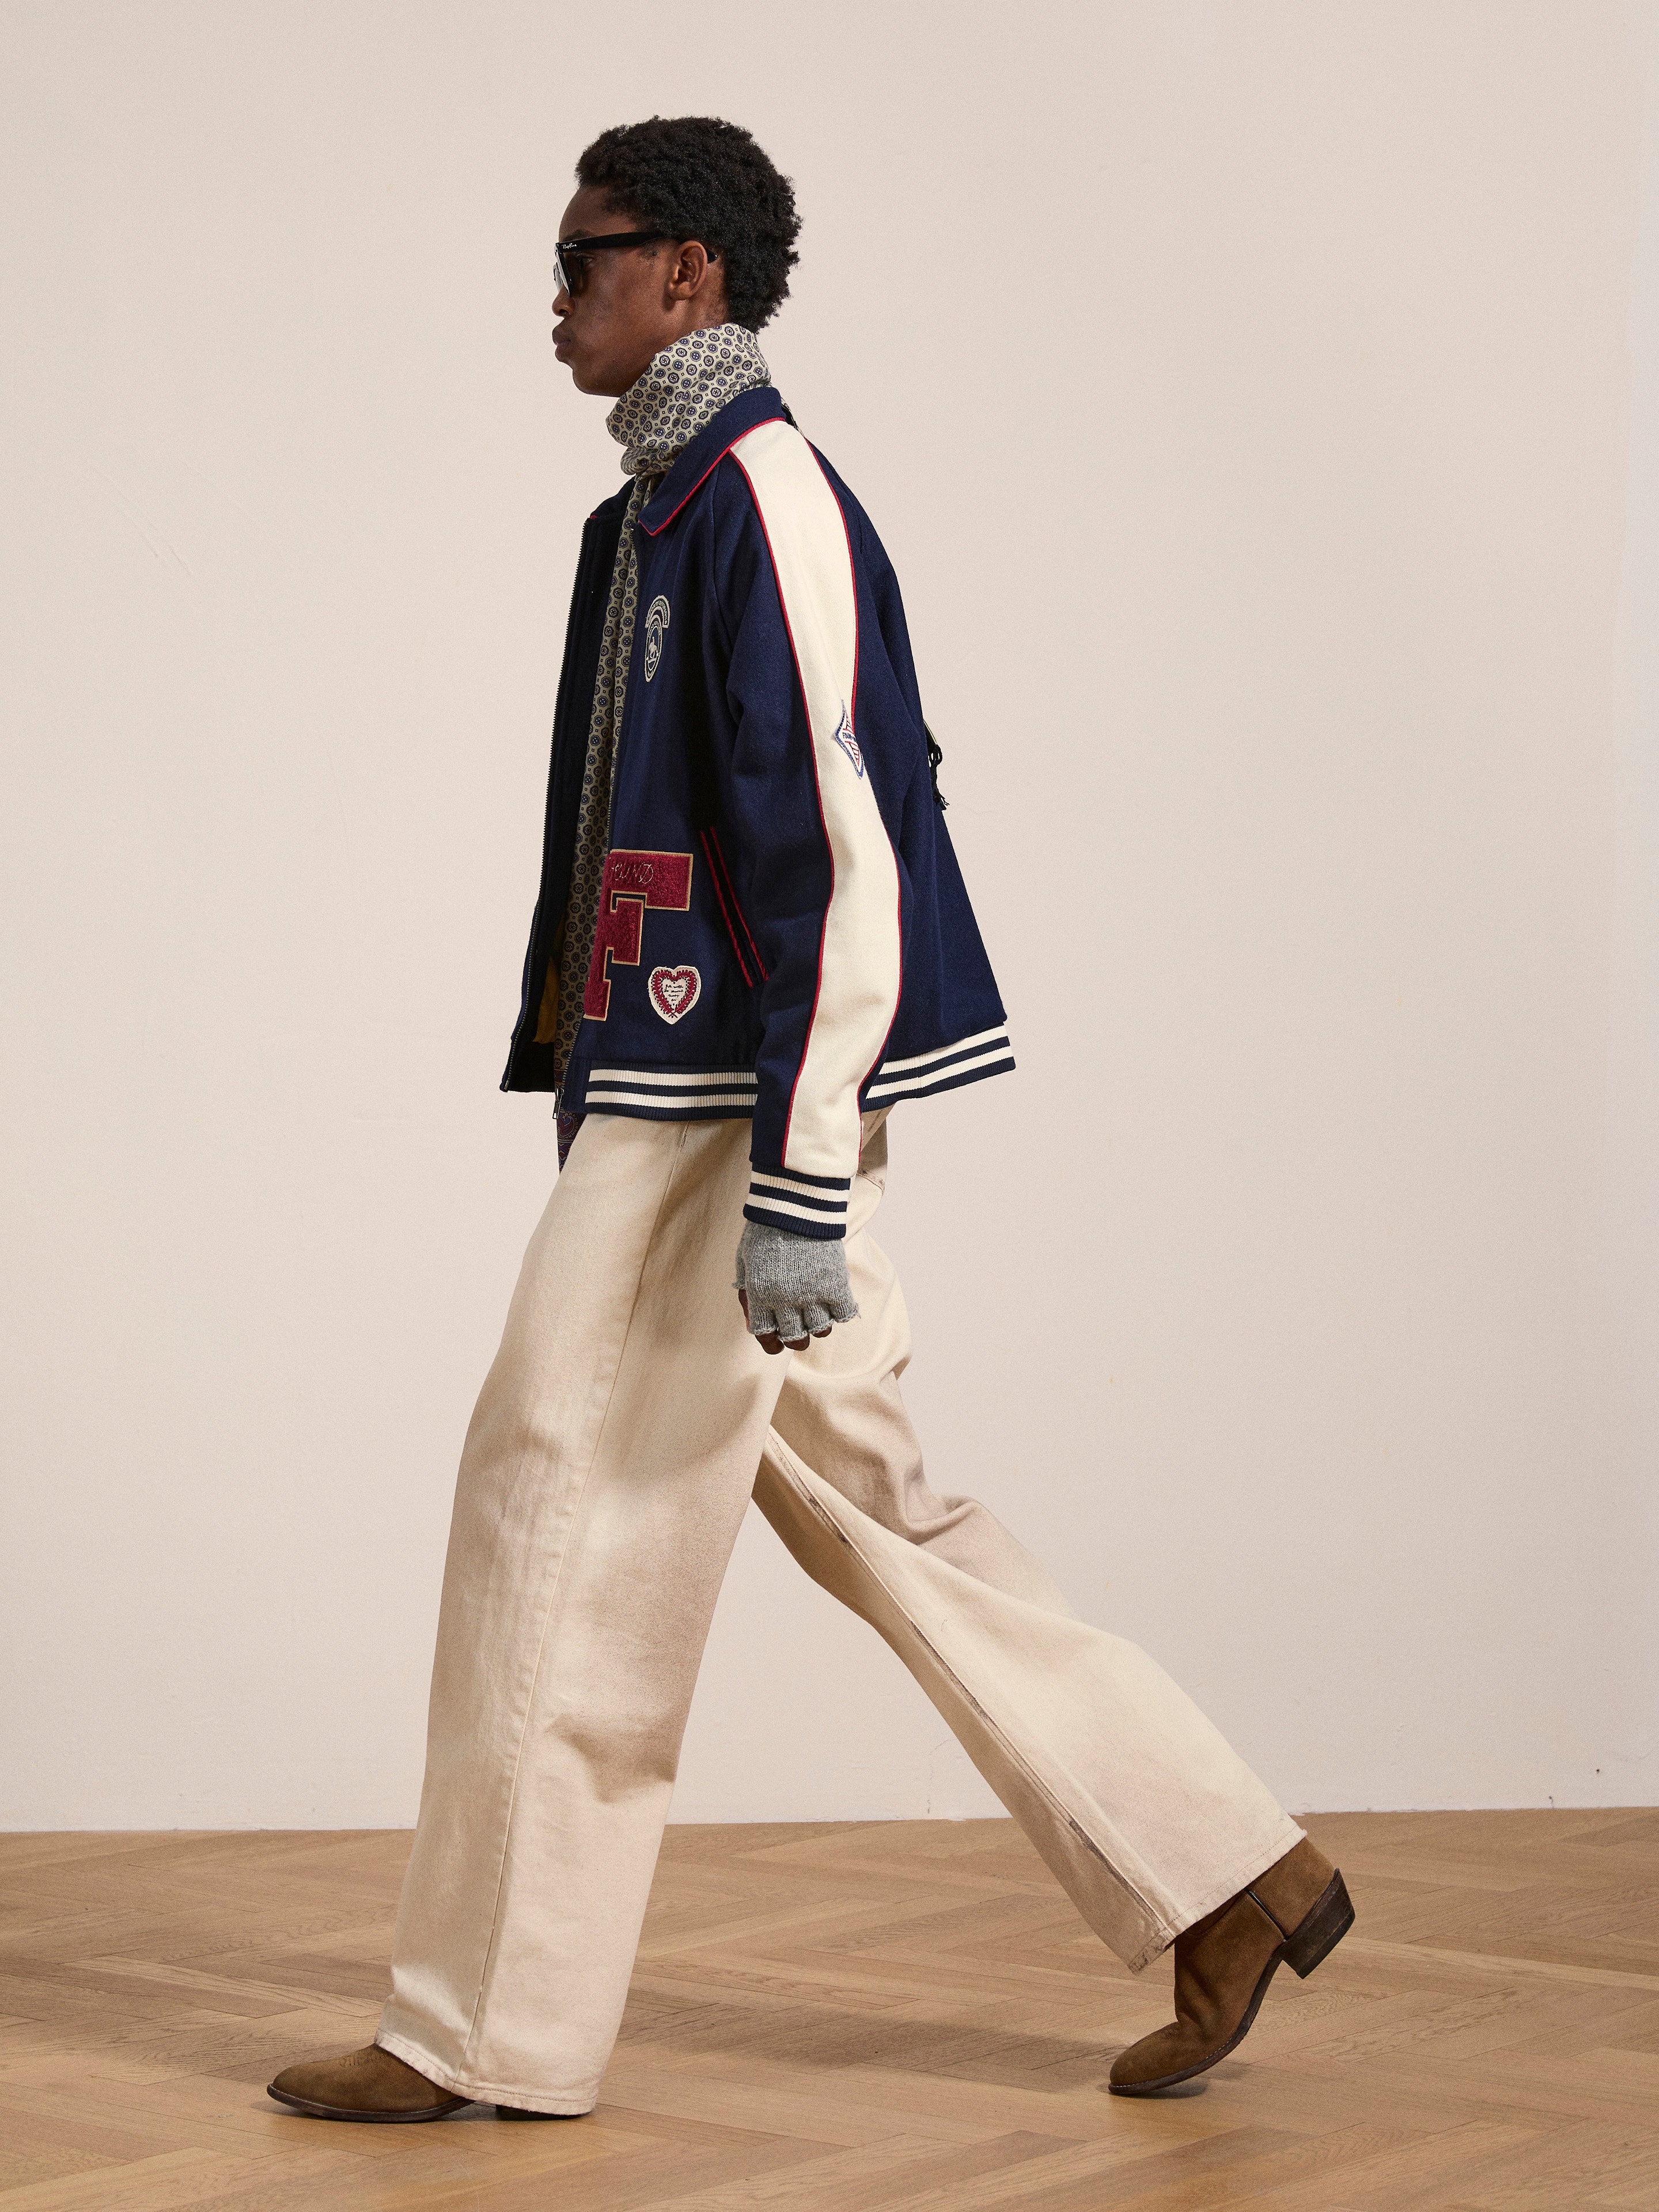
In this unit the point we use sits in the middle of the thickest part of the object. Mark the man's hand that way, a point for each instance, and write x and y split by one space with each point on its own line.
771 1341
791 1288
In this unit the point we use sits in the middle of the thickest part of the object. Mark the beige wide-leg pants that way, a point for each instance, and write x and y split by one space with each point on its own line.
613 1450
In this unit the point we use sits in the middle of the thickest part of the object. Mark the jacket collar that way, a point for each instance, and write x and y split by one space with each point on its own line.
709 447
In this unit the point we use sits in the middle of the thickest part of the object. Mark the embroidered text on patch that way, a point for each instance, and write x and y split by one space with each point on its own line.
673 991
656 620
848 743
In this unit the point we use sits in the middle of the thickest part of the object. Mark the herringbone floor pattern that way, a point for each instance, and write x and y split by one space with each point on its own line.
902 2017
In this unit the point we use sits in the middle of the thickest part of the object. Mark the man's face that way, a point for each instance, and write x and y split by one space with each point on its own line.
633 302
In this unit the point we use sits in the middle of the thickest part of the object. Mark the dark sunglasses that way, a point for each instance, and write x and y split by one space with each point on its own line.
571 255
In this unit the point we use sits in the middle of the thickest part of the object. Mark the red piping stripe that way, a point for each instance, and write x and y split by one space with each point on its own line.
717 852
812 750
650 529
714 877
852 723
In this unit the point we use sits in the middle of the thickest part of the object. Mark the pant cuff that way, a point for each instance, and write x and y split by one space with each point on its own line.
1285 1839
483 2092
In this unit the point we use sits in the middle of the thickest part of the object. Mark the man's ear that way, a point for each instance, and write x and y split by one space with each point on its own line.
693 272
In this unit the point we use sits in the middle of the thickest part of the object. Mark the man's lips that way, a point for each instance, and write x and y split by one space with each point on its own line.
561 344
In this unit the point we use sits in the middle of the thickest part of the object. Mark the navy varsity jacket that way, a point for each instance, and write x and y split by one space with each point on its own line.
784 933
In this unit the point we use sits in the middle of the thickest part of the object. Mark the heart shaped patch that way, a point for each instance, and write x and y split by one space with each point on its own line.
674 991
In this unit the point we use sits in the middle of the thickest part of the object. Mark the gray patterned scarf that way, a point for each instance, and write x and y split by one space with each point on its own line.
680 394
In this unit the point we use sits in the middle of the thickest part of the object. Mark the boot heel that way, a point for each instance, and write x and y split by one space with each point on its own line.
1322 1929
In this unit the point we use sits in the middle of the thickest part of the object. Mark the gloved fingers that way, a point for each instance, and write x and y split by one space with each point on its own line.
793 1288
793 1325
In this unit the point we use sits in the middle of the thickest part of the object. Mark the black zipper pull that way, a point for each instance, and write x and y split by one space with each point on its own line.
935 754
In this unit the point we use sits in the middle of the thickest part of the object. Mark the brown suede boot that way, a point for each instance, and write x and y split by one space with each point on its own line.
363 2085
1298 1910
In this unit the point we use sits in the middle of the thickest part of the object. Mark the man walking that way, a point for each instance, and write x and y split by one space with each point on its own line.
752 943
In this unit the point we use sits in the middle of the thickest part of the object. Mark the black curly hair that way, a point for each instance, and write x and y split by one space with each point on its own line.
697 178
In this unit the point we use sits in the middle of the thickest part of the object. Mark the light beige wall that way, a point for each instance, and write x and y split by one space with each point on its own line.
1259 402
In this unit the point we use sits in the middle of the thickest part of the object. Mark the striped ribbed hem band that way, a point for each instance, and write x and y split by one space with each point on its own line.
722 1094
948 1065
708 1095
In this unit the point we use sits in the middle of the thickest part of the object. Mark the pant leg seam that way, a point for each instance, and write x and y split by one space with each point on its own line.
1162 1934
546 1617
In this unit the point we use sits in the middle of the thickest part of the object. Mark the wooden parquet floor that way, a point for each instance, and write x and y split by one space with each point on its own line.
871 2017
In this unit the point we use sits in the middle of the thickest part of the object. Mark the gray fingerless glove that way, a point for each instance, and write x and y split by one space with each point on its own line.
796 1284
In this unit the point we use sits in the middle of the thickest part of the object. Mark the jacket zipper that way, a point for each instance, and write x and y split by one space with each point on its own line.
580 593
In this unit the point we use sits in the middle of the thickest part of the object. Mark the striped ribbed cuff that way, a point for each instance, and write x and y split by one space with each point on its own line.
805 1205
